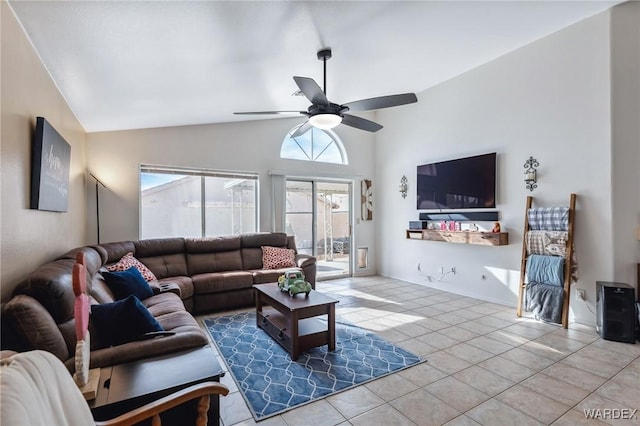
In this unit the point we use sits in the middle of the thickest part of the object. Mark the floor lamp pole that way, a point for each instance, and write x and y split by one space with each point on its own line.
98 183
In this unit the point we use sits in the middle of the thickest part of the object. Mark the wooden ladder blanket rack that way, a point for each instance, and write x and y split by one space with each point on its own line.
567 265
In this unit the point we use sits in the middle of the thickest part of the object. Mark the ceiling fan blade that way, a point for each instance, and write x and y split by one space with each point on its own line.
382 102
311 90
360 123
269 112
302 129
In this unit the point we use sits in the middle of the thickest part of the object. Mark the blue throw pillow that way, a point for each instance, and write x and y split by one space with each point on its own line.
123 321
127 283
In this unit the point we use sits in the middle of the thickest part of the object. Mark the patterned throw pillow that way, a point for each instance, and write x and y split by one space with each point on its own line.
129 261
275 257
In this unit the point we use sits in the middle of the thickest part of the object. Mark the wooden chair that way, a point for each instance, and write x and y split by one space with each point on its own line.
36 389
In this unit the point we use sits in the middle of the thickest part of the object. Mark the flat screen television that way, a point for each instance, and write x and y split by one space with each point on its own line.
463 183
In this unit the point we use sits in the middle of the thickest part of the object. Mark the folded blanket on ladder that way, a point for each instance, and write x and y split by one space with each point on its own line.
545 269
552 243
549 218
545 301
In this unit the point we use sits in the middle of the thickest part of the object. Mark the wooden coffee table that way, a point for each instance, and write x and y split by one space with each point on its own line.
291 320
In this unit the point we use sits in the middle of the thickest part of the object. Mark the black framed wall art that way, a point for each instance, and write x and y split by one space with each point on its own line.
50 162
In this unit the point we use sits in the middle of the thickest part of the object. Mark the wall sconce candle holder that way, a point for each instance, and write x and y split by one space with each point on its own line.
404 186
530 173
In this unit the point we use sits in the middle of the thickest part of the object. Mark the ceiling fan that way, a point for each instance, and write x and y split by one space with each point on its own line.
324 114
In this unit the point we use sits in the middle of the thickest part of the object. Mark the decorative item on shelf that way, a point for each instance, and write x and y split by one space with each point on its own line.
496 228
366 199
530 174
403 186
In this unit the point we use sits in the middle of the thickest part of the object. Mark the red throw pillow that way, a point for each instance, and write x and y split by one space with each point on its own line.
275 257
129 261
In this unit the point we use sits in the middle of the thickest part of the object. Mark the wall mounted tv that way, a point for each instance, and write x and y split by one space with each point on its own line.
463 183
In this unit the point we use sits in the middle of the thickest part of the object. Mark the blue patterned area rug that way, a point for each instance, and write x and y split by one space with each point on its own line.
271 383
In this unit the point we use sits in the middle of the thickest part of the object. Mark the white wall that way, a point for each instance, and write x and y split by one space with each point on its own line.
115 157
625 105
32 237
549 100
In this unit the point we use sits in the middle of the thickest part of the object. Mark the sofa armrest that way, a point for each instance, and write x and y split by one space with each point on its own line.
308 265
171 287
35 327
164 287
304 260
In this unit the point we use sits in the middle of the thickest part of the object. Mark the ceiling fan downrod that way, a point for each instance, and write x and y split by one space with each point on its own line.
323 55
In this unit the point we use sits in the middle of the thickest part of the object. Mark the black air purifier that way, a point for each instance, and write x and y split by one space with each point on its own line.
616 312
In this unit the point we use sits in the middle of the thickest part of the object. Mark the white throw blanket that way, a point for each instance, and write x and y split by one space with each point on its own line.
37 389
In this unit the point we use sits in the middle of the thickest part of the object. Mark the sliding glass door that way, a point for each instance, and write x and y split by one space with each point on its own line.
318 214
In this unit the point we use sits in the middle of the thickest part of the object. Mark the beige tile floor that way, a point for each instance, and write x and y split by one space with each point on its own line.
485 366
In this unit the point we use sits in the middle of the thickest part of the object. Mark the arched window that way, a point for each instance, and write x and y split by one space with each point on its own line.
314 145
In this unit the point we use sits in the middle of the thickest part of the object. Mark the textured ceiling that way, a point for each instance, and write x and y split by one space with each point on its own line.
125 65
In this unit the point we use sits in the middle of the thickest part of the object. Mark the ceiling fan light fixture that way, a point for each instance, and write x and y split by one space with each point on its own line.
325 121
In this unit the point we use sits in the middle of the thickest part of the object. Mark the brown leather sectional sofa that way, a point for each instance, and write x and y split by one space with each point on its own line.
194 275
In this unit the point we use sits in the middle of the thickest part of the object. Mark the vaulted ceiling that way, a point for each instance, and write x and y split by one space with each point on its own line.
125 65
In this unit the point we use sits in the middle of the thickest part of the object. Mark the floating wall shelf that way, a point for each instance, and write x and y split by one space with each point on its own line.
460 237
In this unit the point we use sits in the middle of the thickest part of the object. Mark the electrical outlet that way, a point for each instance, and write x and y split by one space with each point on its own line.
582 295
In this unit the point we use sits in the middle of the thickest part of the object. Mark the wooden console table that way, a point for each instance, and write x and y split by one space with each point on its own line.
125 387
292 321
460 237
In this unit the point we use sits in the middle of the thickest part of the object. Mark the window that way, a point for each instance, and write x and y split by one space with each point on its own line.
314 145
196 203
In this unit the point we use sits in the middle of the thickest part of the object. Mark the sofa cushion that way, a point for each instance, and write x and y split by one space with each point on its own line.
112 252
123 321
126 283
166 265
164 256
100 291
187 335
52 286
221 281
259 239
162 304
252 247
127 261
213 255
158 246
276 257
92 259
262 276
